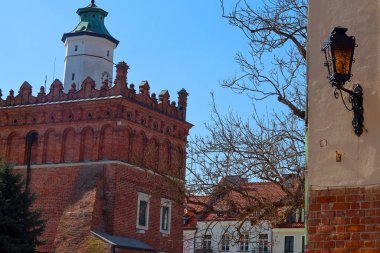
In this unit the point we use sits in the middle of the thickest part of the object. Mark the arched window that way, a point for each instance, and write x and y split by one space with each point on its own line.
225 242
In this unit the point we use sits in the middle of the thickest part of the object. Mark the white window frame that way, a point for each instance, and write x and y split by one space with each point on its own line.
225 242
206 242
143 197
263 243
166 203
291 244
244 242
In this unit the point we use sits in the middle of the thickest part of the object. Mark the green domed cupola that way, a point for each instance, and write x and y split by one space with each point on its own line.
91 23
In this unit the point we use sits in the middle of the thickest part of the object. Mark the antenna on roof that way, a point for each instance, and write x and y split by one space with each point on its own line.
45 81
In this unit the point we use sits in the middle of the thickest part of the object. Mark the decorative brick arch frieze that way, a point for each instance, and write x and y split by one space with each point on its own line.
138 152
15 148
123 135
177 161
165 156
106 143
37 148
182 161
70 147
152 153
49 153
88 145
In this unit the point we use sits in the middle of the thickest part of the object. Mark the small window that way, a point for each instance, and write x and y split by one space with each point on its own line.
303 244
225 242
165 219
291 218
206 242
72 77
263 243
108 52
244 242
76 48
289 244
143 211
143 205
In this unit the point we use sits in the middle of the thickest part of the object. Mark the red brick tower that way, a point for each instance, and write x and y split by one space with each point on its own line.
99 163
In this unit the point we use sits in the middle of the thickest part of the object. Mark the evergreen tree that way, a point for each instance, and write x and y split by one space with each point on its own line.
20 226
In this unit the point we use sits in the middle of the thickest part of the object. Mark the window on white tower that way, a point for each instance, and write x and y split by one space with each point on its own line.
165 219
76 48
72 76
142 211
108 52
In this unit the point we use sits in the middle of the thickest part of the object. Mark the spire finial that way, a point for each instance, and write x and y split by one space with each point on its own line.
93 1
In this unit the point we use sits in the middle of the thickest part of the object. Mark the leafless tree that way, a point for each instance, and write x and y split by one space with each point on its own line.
268 146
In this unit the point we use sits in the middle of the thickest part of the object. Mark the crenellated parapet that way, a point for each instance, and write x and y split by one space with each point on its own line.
88 90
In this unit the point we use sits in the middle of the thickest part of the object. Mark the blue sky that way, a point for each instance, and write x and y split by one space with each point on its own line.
173 44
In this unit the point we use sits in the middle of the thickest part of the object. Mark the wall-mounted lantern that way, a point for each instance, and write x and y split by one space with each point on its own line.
339 54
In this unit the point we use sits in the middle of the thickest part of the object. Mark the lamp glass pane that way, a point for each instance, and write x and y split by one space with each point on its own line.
342 58
329 60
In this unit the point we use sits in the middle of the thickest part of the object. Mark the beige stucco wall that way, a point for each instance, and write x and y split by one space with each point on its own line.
327 118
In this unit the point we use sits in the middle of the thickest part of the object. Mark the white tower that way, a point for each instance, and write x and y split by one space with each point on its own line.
89 49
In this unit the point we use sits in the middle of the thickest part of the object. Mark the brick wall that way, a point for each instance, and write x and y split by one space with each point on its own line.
73 136
344 220
79 198
96 149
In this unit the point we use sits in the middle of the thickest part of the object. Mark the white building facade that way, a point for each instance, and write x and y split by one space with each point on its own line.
233 236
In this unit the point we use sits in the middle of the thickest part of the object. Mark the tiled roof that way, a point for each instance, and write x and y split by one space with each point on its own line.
291 225
245 196
238 195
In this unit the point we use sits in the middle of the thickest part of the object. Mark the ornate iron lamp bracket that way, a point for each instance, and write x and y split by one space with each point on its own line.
356 101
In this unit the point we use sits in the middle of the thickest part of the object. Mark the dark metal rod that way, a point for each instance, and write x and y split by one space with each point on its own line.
347 90
30 138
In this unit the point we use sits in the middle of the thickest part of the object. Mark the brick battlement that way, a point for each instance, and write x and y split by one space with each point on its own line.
88 90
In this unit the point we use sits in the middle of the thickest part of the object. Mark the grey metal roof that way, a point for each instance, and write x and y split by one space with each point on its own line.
122 242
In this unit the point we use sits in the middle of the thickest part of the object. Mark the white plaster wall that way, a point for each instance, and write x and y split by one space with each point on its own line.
89 60
217 228
278 243
328 121
188 241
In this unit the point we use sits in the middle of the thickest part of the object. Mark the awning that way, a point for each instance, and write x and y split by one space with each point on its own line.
122 242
